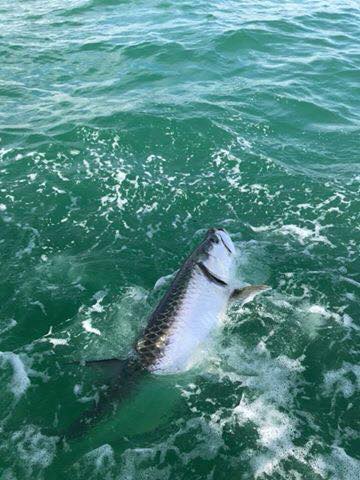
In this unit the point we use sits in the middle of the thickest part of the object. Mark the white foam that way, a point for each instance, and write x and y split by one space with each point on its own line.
351 281
267 403
99 297
337 465
58 341
152 230
59 190
303 233
261 228
312 317
116 196
147 208
102 457
10 324
349 322
88 328
320 310
40 305
341 463
77 389
336 381
33 450
20 380
97 307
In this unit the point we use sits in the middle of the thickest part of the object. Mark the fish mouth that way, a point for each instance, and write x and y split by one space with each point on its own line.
225 240
219 235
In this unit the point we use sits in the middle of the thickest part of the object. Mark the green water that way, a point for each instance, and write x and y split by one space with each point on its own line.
126 130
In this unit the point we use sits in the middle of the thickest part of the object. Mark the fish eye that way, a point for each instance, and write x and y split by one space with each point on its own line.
214 239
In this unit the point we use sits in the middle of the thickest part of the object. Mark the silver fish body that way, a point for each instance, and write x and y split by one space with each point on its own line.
191 308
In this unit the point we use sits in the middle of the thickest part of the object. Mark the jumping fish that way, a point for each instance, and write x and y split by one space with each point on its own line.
193 306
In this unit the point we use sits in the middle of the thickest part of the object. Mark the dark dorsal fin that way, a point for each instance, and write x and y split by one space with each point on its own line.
209 275
100 363
113 366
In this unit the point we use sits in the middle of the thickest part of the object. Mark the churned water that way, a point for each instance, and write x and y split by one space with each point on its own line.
127 128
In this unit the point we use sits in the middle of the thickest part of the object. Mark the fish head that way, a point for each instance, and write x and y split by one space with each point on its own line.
219 254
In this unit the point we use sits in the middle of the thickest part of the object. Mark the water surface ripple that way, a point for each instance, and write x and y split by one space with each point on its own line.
127 129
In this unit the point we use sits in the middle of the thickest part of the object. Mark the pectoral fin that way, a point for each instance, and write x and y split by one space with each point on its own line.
246 294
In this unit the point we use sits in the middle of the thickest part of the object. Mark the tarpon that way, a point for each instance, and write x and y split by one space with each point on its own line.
193 306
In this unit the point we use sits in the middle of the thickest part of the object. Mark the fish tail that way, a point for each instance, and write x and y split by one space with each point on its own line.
114 393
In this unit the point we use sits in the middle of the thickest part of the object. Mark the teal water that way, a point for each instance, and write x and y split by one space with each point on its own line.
126 130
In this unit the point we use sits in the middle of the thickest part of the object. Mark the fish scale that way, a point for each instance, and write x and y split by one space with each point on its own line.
191 308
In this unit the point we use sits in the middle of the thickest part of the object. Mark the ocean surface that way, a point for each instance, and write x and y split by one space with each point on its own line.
127 128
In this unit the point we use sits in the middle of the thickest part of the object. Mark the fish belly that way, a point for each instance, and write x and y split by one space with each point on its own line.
200 312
